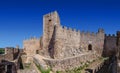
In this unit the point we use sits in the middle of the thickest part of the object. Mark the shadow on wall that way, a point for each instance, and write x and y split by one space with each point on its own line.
51 44
20 63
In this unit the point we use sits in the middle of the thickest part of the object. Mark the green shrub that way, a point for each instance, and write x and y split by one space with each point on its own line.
58 71
27 65
105 58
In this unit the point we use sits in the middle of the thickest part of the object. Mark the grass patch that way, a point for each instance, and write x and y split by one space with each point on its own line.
75 70
27 65
58 72
103 58
78 69
81 68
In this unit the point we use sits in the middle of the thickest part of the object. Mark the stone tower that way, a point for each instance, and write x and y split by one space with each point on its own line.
49 22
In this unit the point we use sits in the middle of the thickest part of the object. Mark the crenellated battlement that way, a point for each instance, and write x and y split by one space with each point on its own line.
87 33
70 30
100 30
50 14
118 33
31 39
110 35
64 28
74 30
78 32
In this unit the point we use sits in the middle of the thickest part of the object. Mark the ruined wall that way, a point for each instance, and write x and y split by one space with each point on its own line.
10 54
8 57
31 46
9 50
62 42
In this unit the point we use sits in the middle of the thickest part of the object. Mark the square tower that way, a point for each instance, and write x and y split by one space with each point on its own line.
49 21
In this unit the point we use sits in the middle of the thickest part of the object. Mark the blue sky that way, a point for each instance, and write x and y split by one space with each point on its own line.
21 19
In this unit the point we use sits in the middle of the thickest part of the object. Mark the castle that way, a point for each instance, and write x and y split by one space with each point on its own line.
60 42
70 45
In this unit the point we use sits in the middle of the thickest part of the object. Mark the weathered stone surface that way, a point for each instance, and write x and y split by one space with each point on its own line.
69 63
31 46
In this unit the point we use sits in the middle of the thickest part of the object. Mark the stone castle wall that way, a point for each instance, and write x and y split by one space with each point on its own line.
62 42
70 42
67 42
31 46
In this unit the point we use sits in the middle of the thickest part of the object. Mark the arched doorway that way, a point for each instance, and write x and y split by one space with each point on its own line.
89 47
37 51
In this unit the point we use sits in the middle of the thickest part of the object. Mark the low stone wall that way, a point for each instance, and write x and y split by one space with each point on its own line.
71 62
